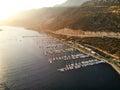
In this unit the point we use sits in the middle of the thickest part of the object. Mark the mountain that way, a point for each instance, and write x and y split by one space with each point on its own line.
92 15
73 3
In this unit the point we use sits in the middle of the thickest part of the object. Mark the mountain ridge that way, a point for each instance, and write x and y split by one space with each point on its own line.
92 15
72 3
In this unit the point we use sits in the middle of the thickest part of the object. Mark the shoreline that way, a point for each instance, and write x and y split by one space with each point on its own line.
115 68
113 65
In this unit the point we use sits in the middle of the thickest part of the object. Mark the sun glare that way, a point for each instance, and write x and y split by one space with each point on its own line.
5 15
9 7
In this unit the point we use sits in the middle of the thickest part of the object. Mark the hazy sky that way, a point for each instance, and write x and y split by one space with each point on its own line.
8 7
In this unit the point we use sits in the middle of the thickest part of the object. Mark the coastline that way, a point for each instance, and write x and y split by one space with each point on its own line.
113 65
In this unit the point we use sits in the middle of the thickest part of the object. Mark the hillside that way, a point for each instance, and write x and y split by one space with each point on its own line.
92 15
34 18
72 3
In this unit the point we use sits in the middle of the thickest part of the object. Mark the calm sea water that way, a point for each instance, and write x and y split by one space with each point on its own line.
24 65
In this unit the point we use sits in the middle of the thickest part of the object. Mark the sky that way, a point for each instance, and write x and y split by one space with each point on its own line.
9 7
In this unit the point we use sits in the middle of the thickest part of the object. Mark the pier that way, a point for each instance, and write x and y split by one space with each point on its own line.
69 58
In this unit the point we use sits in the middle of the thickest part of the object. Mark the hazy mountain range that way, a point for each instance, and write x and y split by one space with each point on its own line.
90 15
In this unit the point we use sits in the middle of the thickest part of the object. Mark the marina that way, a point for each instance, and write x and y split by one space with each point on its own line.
80 65
62 53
